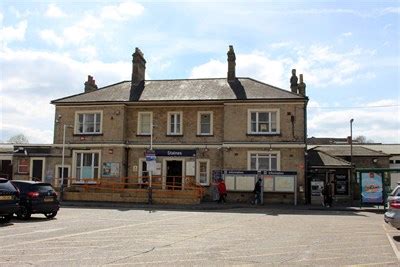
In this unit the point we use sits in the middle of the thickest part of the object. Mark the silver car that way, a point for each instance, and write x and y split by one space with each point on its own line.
392 216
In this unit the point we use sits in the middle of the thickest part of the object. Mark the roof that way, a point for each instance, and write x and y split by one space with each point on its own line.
342 151
184 89
6 148
320 158
392 149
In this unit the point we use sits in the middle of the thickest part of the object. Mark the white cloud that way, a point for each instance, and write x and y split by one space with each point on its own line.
347 34
88 52
380 124
17 33
320 65
26 92
51 37
123 11
54 11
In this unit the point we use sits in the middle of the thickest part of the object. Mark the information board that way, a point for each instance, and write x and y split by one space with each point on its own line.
284 183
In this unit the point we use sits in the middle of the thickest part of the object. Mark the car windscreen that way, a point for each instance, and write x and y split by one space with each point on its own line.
42 188
7 187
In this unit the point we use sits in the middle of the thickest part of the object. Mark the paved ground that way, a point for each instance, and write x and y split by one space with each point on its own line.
233 236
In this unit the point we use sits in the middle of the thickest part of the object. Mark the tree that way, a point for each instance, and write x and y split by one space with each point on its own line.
18 139
363 140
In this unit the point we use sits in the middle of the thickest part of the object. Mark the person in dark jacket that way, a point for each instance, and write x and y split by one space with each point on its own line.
222 191
257 192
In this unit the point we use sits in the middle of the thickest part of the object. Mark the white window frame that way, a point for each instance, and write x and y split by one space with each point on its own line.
139 125
57 166
277 153
140 174
199 113
270 111
198 161
43 167
74 157
169 132
81 112
26 166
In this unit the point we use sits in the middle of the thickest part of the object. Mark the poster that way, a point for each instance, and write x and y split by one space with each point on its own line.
110 169
284 183
371 188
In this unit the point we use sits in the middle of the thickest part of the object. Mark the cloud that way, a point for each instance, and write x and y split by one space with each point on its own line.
54 11
123 11
23 88
378 121
49 36
347 34
11 34
320 65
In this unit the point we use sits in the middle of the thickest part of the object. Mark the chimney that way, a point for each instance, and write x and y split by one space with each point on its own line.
138 67
231 64
293 82
90 85
302 86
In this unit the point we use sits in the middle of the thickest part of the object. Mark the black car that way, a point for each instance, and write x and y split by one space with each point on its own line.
36 197
9 199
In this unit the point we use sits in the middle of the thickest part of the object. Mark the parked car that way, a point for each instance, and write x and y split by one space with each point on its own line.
9 199
36 197
392 216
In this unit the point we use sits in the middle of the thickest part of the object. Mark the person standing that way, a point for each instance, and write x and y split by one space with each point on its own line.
222 191
257 192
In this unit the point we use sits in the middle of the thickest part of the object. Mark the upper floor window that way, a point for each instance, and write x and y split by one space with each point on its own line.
263 161
205 123
88 122
175 123
145 123
263 121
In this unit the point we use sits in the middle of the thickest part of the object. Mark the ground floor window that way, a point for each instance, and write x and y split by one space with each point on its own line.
87 165
263 161
203 171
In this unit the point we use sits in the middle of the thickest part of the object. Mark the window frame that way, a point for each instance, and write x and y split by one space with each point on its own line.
25 166
139 123
269 153
74 165
269 112
207 161
199 113
88 112
170 113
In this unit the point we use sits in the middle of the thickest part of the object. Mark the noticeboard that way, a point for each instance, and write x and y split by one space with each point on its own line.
371 188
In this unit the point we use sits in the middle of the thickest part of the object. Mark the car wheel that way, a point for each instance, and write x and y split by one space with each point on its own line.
23 213
5 218
50 215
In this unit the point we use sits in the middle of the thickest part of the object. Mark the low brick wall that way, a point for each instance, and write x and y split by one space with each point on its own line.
138 196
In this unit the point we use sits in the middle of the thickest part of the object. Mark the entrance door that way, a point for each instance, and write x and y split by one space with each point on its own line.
37 169
174 175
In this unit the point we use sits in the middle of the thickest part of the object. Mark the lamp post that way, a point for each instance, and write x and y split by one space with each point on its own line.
65 126
351 160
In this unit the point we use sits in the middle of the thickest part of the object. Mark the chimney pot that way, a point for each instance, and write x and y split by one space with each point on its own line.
293 82
302 86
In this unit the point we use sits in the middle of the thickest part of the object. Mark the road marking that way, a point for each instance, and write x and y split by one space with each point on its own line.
394 247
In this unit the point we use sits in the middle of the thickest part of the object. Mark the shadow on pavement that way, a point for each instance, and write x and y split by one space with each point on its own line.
267 209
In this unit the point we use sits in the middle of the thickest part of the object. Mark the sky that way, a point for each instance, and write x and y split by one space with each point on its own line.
348 52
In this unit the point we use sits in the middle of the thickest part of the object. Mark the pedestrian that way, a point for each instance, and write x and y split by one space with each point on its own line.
329 198
257 192
222 191
214 190
324 195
